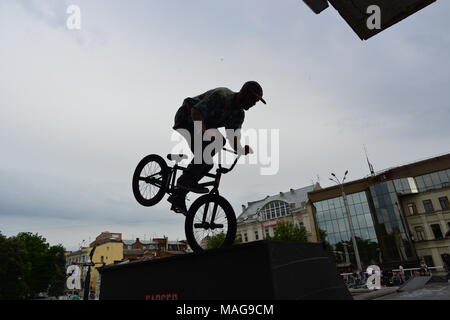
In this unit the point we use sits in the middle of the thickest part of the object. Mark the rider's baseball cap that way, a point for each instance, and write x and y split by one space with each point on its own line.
255 88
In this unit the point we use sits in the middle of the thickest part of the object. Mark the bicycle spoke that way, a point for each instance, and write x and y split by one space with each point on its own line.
201 234
150 180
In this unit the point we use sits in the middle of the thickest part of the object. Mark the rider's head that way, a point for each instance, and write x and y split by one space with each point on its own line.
250 93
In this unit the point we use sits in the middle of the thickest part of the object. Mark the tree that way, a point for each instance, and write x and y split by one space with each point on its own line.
287 231
217 240
323 238
47 264
368 251
37 254
57 265
14 267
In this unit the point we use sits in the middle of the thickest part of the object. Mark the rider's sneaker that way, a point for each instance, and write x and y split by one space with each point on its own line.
178 204
193 187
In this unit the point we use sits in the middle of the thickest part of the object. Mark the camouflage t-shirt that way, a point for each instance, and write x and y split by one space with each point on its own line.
217 108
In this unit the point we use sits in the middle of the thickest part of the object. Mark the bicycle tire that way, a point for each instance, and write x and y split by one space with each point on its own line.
189 226
137 179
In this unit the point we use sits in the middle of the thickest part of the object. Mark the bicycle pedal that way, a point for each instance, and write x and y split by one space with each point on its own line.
177 210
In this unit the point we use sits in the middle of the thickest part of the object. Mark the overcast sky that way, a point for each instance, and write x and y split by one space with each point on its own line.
80 108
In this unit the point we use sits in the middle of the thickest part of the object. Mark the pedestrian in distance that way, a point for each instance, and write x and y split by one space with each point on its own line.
402 275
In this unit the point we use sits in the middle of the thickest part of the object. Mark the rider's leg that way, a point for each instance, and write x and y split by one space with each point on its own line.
188 178
198 168
194 172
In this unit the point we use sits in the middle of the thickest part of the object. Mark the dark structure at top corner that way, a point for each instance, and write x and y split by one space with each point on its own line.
355 12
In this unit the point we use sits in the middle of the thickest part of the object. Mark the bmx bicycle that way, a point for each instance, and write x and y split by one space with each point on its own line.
211 215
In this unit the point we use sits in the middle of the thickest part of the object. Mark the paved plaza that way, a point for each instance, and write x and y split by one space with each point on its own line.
433 291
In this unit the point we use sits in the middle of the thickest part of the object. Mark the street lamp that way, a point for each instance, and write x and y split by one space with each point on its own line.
341 186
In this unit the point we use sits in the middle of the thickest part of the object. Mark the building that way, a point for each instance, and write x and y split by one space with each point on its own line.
427 214
109 249
377 206
259 218
79 258
106 236
106 252
156 248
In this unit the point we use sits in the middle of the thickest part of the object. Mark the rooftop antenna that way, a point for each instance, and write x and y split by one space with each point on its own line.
372 171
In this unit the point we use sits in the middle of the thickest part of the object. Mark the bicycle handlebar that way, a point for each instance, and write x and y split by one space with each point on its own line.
231 151
226 170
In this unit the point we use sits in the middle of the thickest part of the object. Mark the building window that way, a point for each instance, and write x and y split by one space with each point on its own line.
428 205
275 209
437 231
102 259
267 232
434 180
245 237
256 235
412 209
444 203
420 233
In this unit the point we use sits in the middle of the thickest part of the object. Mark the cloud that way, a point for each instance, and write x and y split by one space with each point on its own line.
51 12
76 119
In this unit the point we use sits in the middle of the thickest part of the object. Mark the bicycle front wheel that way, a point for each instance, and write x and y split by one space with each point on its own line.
210 223
150 180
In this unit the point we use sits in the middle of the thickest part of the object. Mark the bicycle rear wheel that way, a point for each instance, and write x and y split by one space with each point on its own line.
150 180
210 223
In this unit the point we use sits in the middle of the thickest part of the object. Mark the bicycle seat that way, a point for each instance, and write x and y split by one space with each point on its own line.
177 157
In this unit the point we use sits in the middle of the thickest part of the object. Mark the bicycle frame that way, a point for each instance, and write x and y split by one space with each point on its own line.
170 187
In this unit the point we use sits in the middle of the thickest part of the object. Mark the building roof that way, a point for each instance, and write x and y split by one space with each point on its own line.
131 242
177 242
296 196
414 169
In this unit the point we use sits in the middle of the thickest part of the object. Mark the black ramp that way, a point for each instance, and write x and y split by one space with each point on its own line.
304 271
263 270
414 283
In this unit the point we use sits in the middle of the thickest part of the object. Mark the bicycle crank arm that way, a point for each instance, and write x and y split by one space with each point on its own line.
216 226
207 226
204 225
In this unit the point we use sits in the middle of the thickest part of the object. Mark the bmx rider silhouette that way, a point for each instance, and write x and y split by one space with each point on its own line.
216 108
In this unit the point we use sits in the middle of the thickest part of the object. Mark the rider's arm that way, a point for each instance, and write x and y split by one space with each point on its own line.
236 145
233 131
